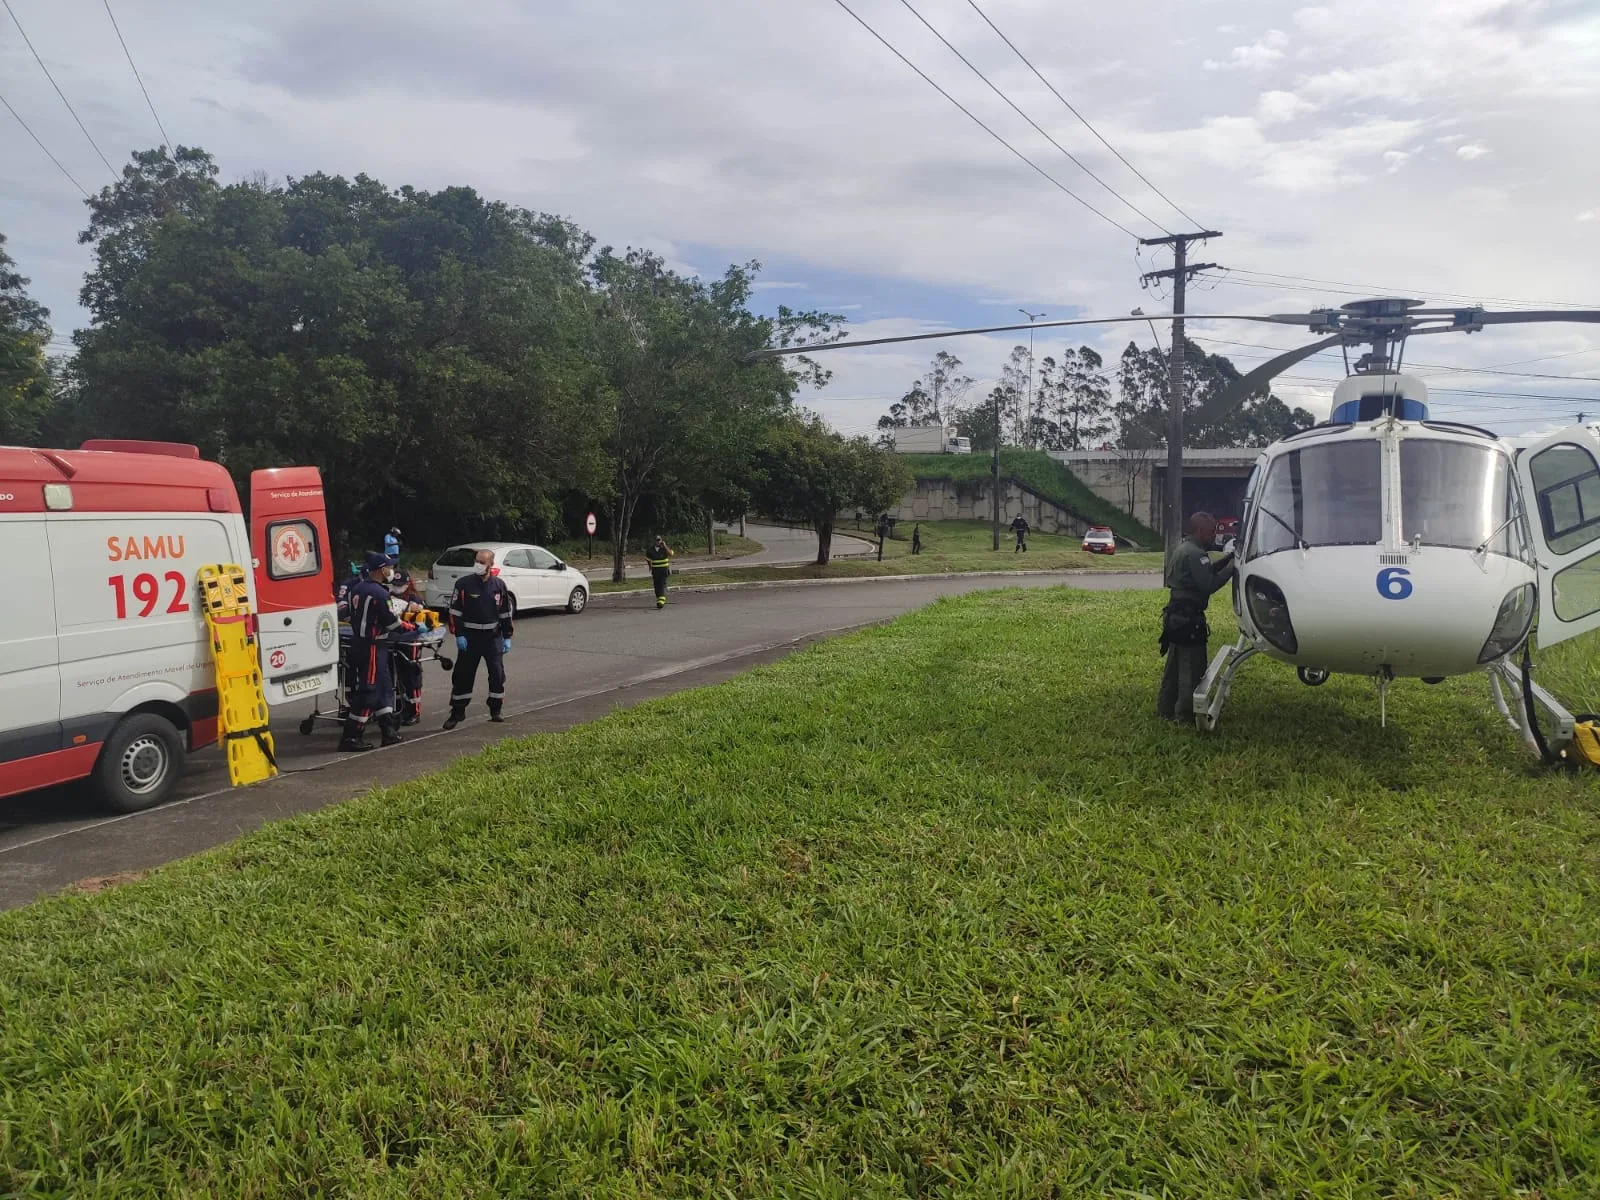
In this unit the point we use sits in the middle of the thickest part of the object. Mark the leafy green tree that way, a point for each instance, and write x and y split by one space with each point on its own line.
688 401
933 399
810 473
26 385
1141 408
1082 400
426 350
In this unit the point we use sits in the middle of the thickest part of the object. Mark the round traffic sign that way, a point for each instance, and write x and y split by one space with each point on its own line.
590 524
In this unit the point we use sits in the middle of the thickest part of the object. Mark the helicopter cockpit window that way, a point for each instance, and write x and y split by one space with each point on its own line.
1453 494
1328 495
1566 485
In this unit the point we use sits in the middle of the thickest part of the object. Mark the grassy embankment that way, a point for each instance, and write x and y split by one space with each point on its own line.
937 909
946 546
1044 475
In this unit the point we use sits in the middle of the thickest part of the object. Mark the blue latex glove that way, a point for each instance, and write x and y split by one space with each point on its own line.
461 642
505 645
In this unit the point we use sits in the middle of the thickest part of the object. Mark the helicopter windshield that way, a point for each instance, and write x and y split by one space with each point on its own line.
1328 495
1453 494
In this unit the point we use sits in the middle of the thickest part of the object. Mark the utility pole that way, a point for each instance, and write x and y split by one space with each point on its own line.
1179 274
1027 410
994 468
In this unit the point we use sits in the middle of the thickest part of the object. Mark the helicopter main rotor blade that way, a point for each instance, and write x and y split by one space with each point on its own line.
1528 317
816 347
1235 394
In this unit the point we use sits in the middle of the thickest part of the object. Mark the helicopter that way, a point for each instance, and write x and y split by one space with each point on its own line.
1388 544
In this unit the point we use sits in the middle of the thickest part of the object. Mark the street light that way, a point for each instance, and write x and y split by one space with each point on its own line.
1027 410
1139 312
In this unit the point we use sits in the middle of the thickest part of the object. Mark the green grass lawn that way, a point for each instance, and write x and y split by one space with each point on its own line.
937 909
947 546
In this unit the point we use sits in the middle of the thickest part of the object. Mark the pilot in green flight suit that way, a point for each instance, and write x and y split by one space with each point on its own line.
1191 577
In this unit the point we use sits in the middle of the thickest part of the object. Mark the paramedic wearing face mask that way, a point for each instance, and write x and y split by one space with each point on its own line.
370 685
480 617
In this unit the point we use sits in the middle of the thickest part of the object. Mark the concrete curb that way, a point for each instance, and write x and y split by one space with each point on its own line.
1065 573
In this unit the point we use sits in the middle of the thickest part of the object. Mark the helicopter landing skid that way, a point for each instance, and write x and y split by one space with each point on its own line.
1212 693
1505 688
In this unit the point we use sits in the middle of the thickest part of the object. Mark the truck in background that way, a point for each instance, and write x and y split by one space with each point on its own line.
930 439
106 669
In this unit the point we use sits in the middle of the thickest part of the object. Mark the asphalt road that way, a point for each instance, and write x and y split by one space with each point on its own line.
780 546
564 670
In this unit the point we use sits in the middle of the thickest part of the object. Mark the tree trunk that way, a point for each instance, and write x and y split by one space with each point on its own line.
824 542
711 535
619 568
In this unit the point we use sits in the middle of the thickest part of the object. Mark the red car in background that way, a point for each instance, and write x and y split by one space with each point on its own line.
1100 540
1227 527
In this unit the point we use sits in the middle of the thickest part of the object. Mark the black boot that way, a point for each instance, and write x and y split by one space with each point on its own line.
391 730
494 713
455 717
353 731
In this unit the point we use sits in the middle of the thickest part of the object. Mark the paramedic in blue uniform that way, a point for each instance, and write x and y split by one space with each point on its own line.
368 683
480 617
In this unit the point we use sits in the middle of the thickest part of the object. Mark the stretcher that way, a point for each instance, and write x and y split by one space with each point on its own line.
405 649
241 707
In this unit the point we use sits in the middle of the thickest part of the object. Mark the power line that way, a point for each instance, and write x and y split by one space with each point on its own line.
165 140
1074 158
1368 288
1518 362
43 147
1081 117
1053 180
26 39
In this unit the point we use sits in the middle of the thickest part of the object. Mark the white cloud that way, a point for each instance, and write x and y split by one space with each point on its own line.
1472 150
1261 53
777 285
1275 108
1393 160
1591 214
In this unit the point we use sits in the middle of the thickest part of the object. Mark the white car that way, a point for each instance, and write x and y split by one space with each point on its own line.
535 577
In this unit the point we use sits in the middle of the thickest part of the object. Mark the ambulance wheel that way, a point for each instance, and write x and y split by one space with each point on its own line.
577 601
307 726
1312 676
140 763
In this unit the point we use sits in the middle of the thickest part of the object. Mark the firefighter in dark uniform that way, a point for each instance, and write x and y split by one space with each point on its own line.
1019 526
369 685
660 559
1190 577
481 619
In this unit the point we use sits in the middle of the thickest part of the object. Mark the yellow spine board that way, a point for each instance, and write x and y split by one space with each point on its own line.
241 707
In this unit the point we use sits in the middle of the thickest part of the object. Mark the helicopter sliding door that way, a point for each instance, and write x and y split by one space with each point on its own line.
1560 481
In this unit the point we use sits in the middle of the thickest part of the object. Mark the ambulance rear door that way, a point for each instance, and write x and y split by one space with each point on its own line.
293 583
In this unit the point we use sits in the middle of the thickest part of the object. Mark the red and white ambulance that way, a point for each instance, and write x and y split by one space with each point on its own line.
105 662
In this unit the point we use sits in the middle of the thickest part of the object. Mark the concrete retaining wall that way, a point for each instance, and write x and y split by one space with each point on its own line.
938 500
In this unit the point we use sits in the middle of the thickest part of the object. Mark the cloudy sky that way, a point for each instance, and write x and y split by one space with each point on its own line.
1441 148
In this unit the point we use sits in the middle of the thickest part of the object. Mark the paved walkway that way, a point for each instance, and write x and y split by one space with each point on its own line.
781 546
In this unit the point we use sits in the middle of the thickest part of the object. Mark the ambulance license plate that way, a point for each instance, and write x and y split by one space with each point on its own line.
300 685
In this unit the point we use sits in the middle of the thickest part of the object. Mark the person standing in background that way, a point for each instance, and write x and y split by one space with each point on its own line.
660 559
